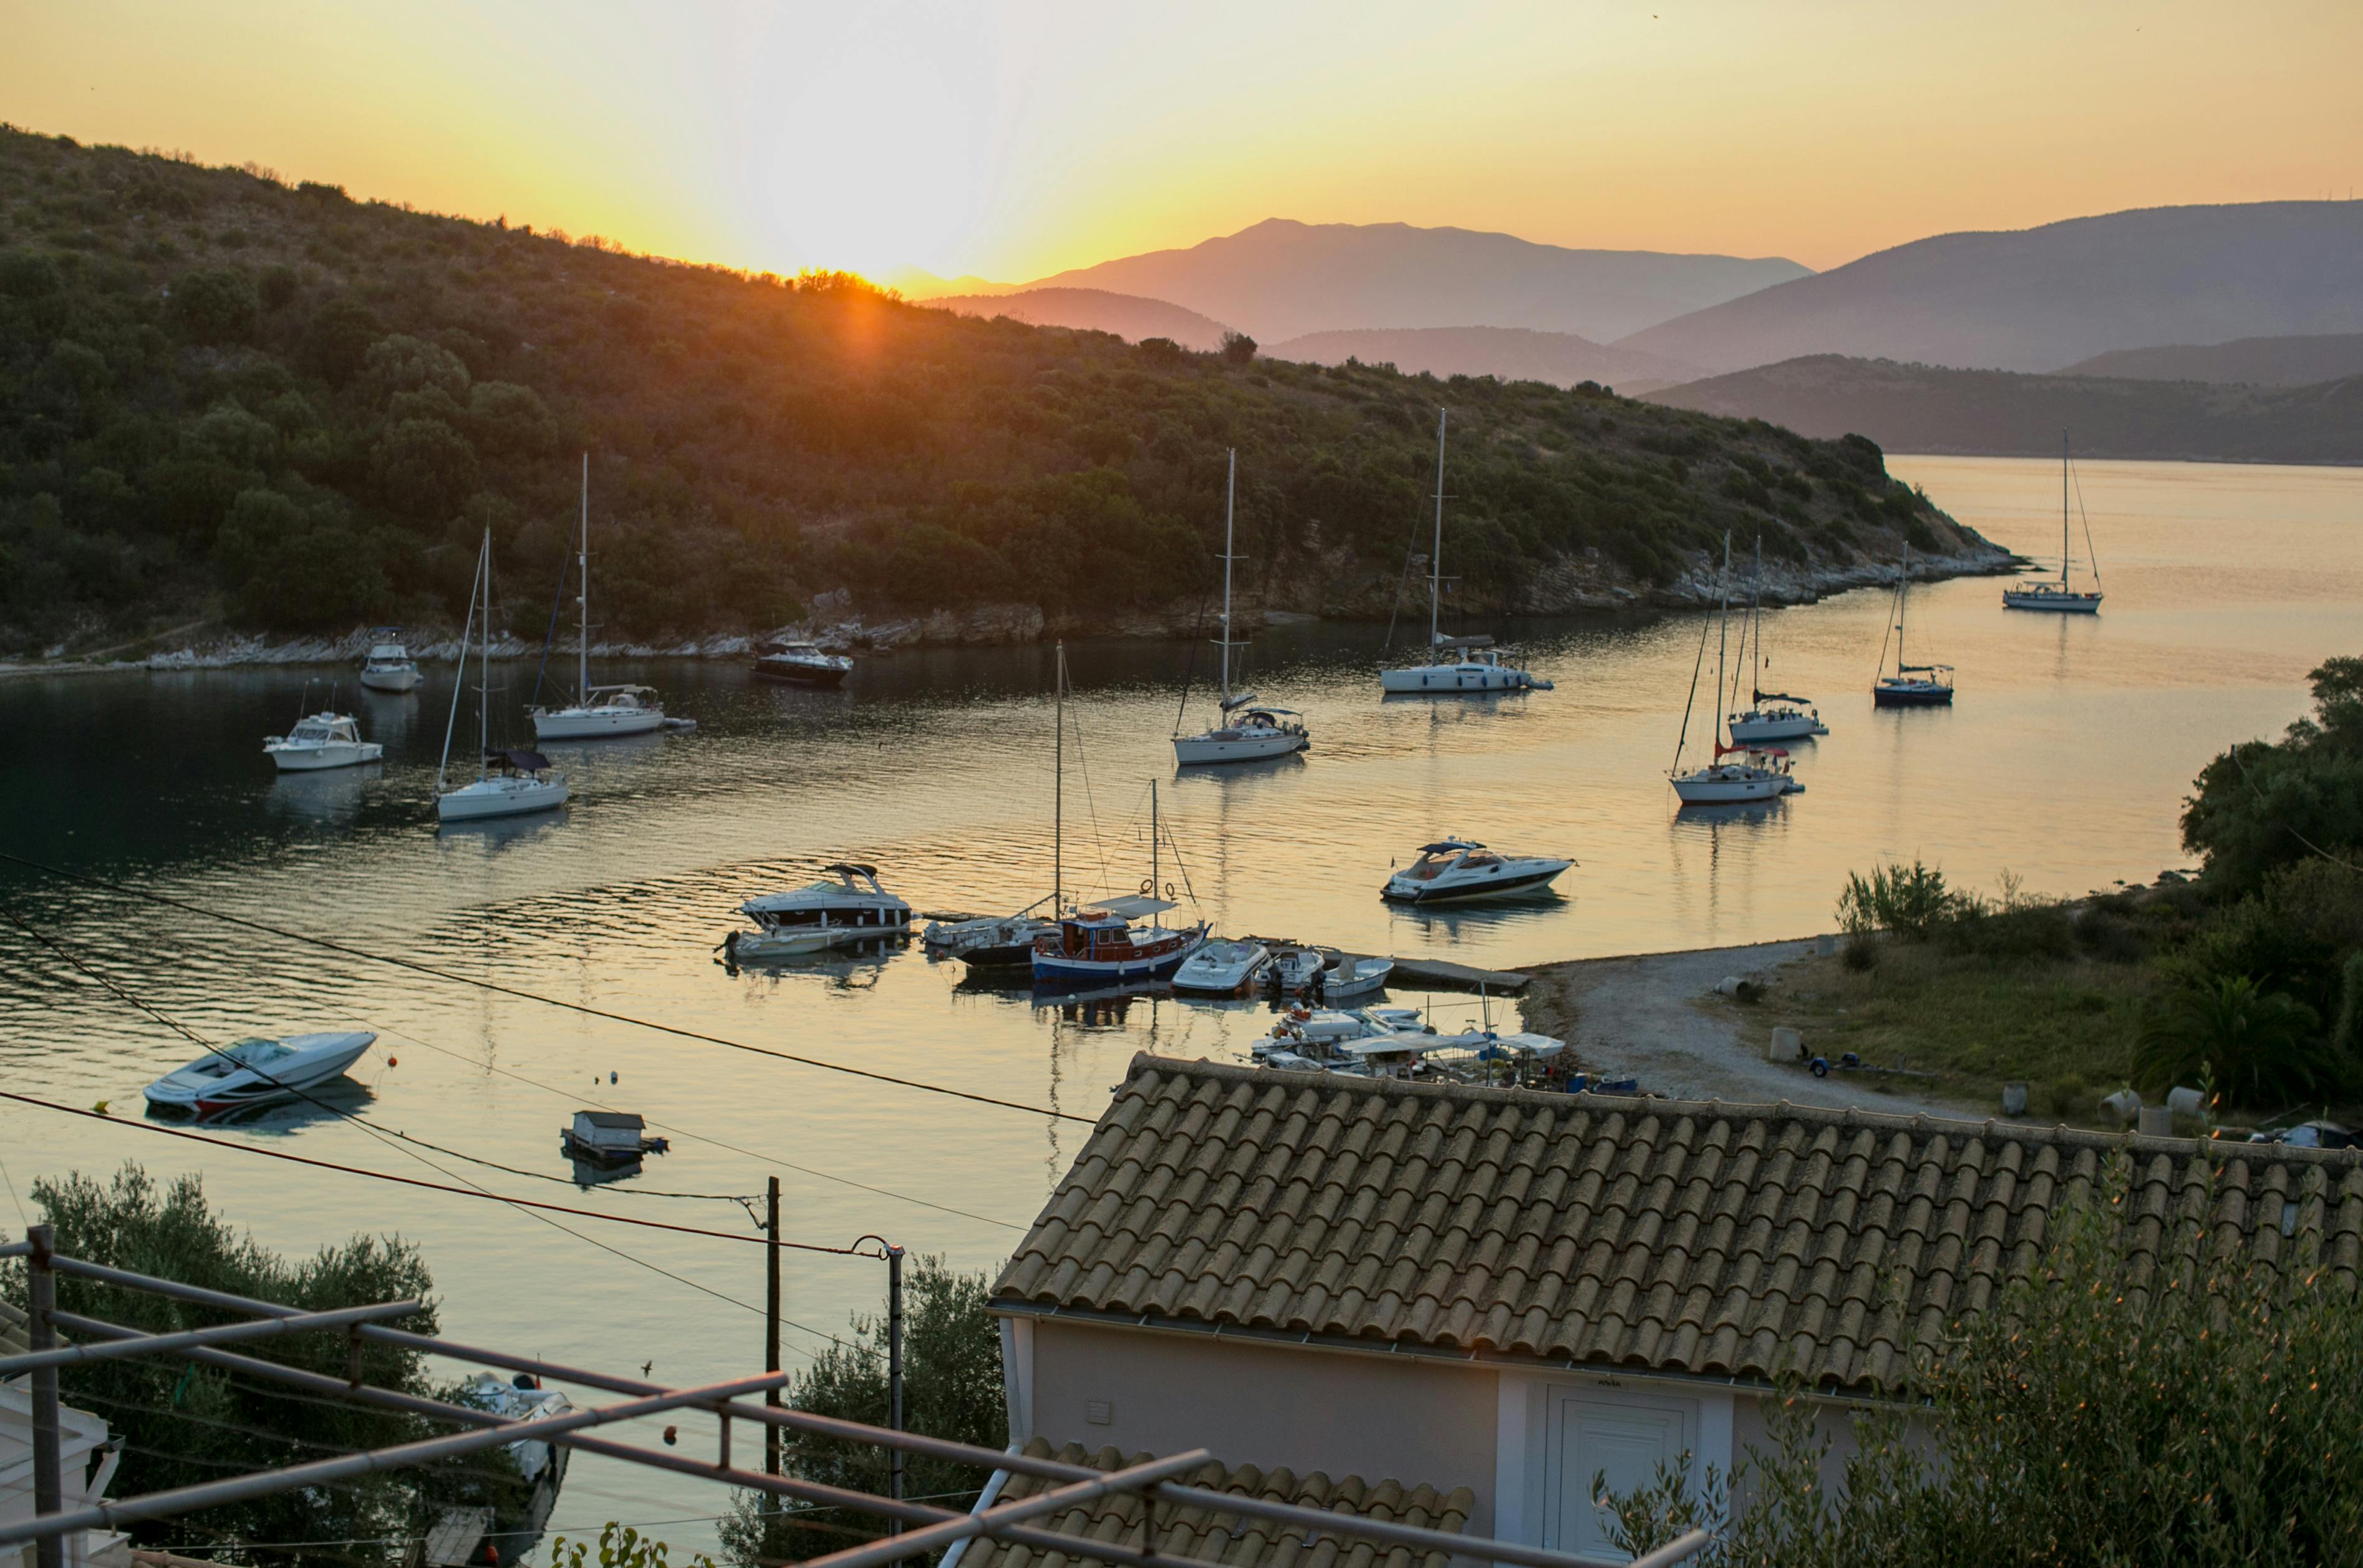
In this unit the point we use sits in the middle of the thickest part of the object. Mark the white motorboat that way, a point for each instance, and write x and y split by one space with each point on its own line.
1760 772
1911 686
1222 969
2060 597
1770 715
597 712
989 941
1461 868
507 782
801 663
1295 970
256 1071
1479 667
1248 733
846 905
389 666
1353 977
323 739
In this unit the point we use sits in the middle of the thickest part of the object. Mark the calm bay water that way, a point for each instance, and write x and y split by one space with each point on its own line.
2064 762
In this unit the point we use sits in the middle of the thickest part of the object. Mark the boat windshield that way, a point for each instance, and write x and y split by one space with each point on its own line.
258 1052
310 730
387 653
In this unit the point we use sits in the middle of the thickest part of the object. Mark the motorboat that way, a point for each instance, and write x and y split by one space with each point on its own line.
1313 1032
845 906
989 941
2061 597
504 1528
1770 715
1471 664
389 666
597 712
1462 868
323 739
257 1071
1103 943
1352 978
801 663
1759 773
507 782
1296 970
512 783
1222 969
1247 733
1911 686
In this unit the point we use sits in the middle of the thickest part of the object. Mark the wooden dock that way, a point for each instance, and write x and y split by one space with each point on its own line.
1422 973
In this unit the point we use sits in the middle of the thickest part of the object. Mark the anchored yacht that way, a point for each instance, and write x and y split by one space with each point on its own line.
1256 732
801 663
507 782
1479 667
322 740
1461 868
1911 686
2060 597
1760 772
597 712
1770 715
846 905
254 1071
389 667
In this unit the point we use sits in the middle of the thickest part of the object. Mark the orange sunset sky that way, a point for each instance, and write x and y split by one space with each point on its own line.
1014 139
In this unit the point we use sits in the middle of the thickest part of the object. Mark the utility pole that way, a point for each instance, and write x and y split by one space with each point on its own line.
772 1545
48 1490
894 1378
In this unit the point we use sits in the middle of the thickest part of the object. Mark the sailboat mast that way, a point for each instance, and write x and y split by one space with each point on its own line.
1436 555
1755 630
484 667
583 593
1722 638
2063 511
1230 498
1902 600
1059 791
459 679
1153 832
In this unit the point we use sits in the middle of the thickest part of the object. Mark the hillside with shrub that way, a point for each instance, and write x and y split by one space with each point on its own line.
230 401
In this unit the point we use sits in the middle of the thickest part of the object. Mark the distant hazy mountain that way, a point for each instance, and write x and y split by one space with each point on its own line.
2039 299
1927 408
1127 316
2257 362
1283 279
1512 353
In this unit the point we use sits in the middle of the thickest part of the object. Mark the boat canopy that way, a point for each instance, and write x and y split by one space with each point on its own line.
520 758
1930 669
1131 907
636 691
1449 847
1779 697
1478 640
851 868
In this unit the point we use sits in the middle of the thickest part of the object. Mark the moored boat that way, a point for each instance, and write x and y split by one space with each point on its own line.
1222 969
508 783
801 663
845 906
2061 597
257 1070
1247 732
1479 667
388 666
1770 715
1911 686
323 739
1102 944
1463 869
597 712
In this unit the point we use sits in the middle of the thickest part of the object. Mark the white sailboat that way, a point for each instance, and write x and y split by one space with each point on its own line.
1911 686
1770 715
2058 597
598 712
1760 772
1248 732
1479 667
509 782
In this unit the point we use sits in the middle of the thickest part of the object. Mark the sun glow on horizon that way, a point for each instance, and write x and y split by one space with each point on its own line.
1016 139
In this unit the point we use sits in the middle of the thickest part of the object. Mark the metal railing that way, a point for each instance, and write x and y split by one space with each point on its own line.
923 1527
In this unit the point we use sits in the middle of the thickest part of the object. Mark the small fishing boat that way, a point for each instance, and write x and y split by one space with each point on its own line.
598 712
611 1137
507 782
323 739
1248 733
1222 969
1102 944
389 666
801 663
1479 667
846 905
989 941
1353 977
255 1071
1911 686
1464 869
1770 715
2060 597
1295 971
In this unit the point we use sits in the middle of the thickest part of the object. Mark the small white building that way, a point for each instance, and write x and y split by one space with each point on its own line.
88 1454
1514 1291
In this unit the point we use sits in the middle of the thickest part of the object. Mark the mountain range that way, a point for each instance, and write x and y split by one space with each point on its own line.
2253 362
1512 353
1129 316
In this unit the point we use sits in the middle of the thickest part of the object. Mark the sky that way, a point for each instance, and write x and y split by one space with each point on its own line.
1013 139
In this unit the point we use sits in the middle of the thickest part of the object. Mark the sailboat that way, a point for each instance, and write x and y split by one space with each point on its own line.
1770 716
1256 732
1911 686
1007 941
508 783
1761 772
1100 944
1479 667
598 711
2058 597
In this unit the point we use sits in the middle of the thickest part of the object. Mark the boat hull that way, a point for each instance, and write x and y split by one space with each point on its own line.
1802 728
1222 974
801 674
276 1081
1216 746
1454 680
2057 604
1892 696
488 799
1398 890
1728 792
1055 969
594 724
390 680
317 759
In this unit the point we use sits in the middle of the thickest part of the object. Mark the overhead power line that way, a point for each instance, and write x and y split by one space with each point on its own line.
414 966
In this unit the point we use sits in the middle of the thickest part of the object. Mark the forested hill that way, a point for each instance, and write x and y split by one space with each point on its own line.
224 398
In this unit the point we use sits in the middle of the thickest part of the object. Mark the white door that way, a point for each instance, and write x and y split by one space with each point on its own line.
1617 1437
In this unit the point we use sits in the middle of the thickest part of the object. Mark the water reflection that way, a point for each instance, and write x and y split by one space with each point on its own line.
330 796
333 1100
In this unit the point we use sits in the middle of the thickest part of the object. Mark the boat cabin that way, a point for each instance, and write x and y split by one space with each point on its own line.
610 1136
1448 854
1103 932
385 653
628 698
853 899
325 729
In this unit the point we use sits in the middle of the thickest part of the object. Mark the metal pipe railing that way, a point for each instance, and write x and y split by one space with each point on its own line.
221 1333
1059 1498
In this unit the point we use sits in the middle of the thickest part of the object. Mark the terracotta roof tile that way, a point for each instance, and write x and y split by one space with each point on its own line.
1693 1237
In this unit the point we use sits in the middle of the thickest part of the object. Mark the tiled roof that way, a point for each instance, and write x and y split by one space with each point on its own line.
1228 1538
1667 1235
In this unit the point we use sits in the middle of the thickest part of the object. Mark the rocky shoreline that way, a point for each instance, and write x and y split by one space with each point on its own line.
1578 587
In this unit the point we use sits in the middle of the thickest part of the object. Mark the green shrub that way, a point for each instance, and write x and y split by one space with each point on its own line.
216 305
1910 901
2256 1046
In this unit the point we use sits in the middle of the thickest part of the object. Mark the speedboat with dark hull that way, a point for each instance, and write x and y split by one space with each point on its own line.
1453 869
